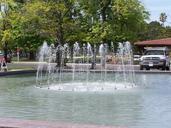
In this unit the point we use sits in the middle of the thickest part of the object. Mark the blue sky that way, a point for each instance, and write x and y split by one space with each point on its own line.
155 7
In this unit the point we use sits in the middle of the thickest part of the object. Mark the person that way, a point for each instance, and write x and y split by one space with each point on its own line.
3 65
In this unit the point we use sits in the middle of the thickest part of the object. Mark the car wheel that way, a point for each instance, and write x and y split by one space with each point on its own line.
141 67
164 68
147 68
168 68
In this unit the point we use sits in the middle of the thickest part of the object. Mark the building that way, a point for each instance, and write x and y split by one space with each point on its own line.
154 43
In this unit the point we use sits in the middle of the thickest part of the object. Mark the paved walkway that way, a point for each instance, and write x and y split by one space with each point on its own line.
34 65
16 123
16 68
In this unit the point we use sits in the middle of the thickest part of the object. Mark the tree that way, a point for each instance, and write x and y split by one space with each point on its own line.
6 6
155 30
111 20
130 16
27 26
75 20
163 18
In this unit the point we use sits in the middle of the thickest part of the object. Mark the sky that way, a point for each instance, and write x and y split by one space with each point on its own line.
155 7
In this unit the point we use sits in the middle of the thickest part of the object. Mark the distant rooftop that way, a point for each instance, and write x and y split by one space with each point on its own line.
159 42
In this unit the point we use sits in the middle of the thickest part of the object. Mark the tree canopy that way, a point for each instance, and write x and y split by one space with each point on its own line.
29 22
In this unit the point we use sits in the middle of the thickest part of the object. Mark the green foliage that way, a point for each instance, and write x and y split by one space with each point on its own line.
29 22
130 17
163 18
6 36
155 30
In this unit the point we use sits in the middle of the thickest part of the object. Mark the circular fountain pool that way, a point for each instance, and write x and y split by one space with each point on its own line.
148 105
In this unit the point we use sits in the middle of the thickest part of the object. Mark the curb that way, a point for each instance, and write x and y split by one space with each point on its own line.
9 73
19 72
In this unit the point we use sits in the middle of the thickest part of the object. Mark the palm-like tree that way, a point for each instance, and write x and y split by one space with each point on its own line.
163 18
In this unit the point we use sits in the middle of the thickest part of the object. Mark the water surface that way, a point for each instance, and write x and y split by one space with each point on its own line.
146 106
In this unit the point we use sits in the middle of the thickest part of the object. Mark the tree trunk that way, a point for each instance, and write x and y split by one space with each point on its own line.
5 51
72 53
93 64
59 43
32 55
58 57
104 8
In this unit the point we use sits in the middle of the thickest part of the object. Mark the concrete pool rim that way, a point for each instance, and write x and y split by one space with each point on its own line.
20 72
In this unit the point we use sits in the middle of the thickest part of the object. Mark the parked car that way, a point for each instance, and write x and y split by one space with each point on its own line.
137 57
156 57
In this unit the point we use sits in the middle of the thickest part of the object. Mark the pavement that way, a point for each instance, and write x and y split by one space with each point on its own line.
22 65
16 123
15 68
34 65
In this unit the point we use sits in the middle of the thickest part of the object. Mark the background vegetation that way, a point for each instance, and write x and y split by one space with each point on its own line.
25 24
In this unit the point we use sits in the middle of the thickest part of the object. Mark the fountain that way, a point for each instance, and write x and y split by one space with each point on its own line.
78 96
81 78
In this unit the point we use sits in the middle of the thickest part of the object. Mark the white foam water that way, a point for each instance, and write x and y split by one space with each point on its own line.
89 87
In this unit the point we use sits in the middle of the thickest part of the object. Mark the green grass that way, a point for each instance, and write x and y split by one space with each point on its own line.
21 59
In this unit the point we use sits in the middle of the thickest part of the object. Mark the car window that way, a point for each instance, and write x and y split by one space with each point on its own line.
154 52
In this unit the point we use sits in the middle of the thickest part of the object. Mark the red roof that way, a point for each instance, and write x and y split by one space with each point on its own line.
159 42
